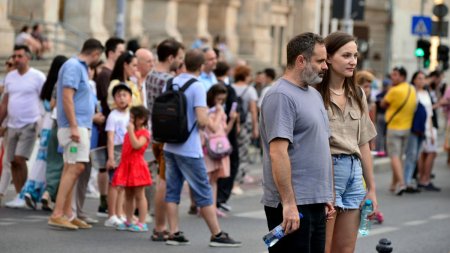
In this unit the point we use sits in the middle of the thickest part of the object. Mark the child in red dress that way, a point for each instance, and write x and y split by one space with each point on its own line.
133 173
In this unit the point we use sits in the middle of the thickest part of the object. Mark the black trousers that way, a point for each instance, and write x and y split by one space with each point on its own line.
309 238
225 185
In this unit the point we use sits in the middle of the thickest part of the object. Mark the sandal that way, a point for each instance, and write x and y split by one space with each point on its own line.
159 236
46 205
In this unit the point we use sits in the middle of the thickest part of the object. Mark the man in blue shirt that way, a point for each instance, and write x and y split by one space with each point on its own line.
74 117
184 161
207 76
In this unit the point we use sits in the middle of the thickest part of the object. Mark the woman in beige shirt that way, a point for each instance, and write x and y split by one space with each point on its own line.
351 130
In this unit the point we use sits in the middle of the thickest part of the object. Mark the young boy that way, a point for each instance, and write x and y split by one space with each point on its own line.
116 127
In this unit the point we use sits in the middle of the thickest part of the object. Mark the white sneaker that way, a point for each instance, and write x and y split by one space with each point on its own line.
148 219
17 202
122 218
113 222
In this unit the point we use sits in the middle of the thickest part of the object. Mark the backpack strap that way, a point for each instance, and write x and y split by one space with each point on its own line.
187 84
245 91
169 85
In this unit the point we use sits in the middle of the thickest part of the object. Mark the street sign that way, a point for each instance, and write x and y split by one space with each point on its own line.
421 25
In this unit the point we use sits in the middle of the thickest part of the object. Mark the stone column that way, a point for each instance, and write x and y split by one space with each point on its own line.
134 26
6 30
53 30
193 20
160 20
305 14
223 19
254 30
87 17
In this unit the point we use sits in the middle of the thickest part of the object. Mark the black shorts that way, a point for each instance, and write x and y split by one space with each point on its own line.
309 238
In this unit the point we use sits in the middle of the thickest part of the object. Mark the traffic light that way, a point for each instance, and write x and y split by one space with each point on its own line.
423 50
443 56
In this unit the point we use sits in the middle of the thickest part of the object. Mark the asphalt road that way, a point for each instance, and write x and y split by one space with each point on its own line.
416 223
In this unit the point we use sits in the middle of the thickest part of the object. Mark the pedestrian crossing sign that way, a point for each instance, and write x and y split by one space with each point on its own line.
421 25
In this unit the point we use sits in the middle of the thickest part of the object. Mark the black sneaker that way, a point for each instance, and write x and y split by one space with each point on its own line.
430 187
31 203
177 239
224 207
102 212
411 189
223 240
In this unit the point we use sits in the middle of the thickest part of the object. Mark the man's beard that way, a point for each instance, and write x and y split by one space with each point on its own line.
310 77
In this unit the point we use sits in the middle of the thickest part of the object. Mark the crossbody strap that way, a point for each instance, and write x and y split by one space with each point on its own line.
400 108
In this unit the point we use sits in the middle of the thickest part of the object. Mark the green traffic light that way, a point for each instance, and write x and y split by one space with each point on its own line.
419 52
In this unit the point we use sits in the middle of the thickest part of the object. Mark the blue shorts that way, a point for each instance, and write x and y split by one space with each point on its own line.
193 170
348 181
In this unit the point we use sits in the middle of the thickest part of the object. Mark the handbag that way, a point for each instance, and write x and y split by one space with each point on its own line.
218 147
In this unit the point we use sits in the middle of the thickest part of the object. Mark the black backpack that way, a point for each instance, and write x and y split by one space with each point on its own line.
169 115
240 108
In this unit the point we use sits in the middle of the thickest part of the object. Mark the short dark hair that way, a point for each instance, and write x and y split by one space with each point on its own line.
91 45
120 87
401 70
167 48
111 44
270 72
194 60
24 48
302 44
435 73
35 26
221 69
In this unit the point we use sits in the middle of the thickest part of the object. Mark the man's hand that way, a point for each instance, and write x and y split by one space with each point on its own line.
291 219
74 134
110 164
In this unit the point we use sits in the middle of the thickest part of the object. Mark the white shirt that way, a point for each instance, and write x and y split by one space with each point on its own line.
117 122
23 97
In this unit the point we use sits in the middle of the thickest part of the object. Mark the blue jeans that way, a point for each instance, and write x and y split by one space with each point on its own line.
412 151
193 170
348 181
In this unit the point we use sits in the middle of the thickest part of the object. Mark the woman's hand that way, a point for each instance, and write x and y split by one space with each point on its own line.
372 196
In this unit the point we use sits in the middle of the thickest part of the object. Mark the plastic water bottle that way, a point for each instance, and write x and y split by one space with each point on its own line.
275 235
73 152
364 225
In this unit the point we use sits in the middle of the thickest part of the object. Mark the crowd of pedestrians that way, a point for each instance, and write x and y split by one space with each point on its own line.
318 127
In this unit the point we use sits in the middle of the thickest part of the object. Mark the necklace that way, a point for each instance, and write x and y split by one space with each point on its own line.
336 93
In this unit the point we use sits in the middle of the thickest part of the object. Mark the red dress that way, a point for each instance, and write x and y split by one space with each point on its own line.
133 170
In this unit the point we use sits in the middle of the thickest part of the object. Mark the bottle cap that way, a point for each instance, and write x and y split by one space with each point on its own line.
368 202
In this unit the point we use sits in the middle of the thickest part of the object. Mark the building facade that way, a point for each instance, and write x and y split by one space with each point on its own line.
255 30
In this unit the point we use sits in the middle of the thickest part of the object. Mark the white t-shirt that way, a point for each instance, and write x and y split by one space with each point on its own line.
21 38
117 122
23 97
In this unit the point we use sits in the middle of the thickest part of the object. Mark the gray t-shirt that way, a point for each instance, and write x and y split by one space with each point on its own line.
298 115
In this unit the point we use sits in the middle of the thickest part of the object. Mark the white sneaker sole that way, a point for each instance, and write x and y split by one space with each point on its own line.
175 243
224 245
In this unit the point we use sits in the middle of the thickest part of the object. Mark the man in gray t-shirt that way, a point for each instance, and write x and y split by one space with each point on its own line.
297 159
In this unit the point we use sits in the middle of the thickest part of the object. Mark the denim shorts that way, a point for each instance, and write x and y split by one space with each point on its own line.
348 181
193 170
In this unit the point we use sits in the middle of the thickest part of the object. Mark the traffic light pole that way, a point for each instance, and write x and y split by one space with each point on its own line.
348 22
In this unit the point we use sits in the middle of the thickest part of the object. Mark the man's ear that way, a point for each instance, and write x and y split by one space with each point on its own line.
300 61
